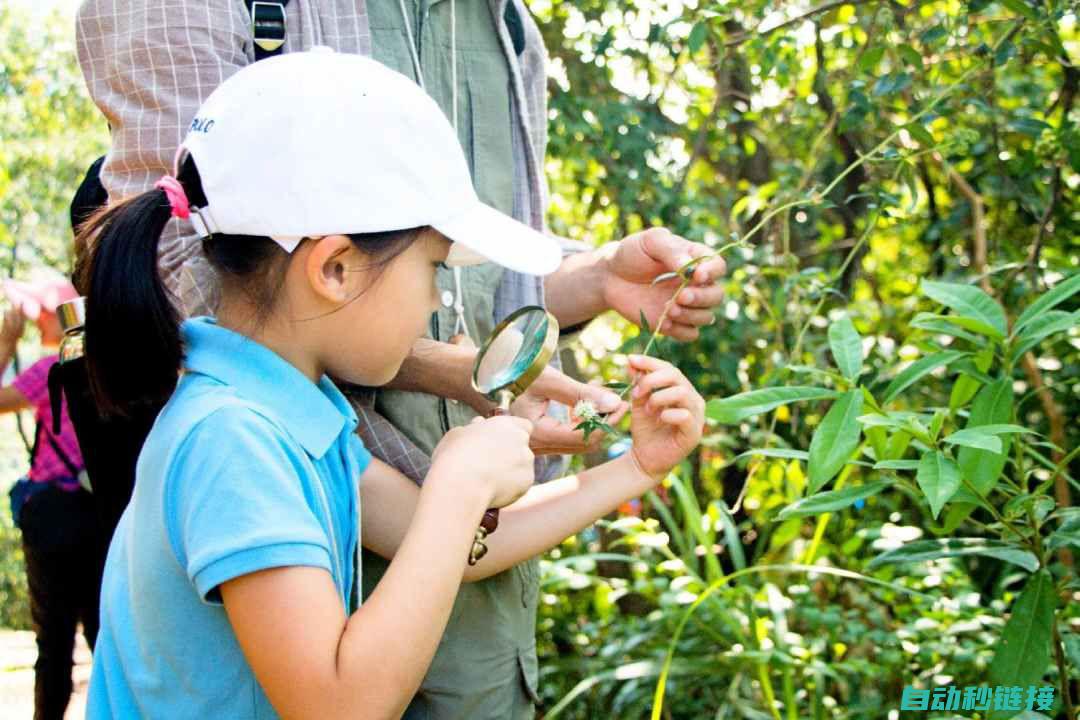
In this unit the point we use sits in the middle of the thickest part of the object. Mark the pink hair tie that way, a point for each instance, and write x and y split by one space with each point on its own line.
177 197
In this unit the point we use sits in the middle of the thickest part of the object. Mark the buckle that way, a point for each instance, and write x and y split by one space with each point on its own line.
268 25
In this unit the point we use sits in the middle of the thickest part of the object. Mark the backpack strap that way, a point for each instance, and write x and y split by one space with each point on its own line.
267 26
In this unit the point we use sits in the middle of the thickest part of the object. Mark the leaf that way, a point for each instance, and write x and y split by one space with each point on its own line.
968 301
789 453
939 478
935 33
1048 300
835 439
911 56
897 465
871 58
921 134
963 390
975 438
942 324
1053 321
1021 7
830 501
1024 653
922 550
697 37
916 370
992 406
846 346
644 322
734 409
1068 533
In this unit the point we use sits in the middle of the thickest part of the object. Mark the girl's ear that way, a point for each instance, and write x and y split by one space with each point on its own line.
327 268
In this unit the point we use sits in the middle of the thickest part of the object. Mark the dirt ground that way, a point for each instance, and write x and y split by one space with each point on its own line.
17 654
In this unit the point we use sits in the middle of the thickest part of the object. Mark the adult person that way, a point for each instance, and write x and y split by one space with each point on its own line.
61 544
149 65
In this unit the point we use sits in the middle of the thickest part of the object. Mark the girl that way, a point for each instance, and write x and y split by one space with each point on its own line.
328 189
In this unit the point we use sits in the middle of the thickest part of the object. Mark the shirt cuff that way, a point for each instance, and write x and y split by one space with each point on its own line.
245 562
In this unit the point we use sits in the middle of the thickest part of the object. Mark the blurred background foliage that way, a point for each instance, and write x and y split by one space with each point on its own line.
861 148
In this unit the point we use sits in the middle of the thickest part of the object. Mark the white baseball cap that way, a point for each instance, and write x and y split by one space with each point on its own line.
321 143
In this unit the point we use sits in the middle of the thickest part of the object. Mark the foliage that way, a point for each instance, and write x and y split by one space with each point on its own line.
50 132
894 377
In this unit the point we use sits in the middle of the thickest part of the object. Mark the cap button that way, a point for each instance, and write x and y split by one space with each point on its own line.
447 298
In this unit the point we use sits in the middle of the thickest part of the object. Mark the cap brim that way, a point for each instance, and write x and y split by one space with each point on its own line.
493 236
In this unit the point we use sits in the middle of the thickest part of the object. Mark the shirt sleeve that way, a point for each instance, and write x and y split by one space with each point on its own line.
237 502
33 382
149 65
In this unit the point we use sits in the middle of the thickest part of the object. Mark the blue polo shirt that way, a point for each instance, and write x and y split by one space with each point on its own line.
249 466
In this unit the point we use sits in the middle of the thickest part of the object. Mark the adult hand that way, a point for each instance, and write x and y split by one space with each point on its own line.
12 328
639 258
551 437
667 418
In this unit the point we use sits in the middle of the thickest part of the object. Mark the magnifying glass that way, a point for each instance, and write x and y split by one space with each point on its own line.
515 354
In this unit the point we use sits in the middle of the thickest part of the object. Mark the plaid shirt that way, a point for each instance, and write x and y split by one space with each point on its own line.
149 64
47 465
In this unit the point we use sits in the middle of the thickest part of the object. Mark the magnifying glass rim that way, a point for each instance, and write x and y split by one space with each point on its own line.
547 350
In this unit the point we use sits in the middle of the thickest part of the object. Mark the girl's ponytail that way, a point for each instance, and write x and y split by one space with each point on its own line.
132 343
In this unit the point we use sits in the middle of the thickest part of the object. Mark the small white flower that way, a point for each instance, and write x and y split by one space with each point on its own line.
585 410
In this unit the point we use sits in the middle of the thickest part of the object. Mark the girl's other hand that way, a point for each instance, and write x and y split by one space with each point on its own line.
491 455
12 328
666 417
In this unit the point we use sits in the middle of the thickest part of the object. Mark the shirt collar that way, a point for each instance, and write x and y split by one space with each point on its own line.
314 414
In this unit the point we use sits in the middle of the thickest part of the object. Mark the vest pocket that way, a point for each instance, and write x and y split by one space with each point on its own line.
530 672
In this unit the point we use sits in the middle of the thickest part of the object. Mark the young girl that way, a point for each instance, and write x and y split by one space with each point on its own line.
327 189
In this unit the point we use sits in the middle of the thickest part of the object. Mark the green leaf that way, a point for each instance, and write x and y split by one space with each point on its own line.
975 438
963 390
916 370
736 408
1068 533
832 500
969 302
846 346
697 37
835 439
871 58
1021 7
1053 321
911 56
897 465
1024 653
939 477
935 33
943 325
775 453
921 134
922 550
1048 300
644 322
992 406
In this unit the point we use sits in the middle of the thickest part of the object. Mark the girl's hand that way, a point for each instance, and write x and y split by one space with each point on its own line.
667 415
12 328
490 455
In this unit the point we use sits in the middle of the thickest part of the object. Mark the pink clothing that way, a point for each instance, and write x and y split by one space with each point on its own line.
48 465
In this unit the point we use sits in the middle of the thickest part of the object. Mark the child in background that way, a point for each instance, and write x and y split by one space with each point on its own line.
61 545
327 189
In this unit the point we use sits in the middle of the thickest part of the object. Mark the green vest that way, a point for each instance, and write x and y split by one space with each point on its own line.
485 666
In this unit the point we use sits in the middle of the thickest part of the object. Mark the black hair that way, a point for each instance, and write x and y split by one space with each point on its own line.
133 347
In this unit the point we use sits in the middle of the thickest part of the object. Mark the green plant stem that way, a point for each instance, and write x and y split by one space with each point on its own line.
1063 669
